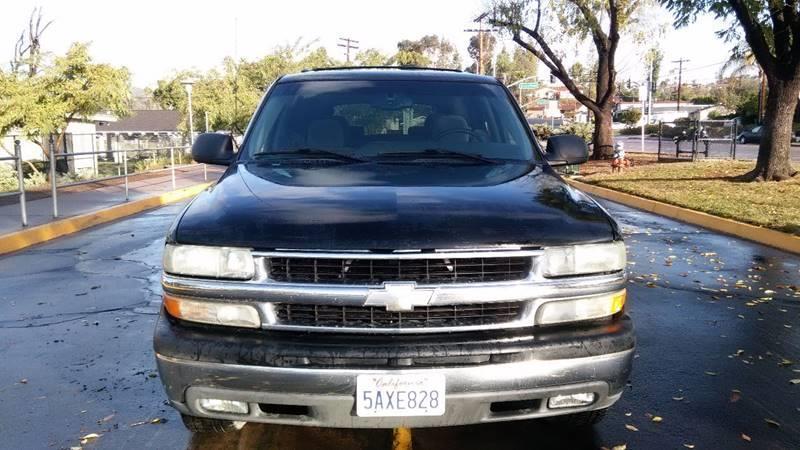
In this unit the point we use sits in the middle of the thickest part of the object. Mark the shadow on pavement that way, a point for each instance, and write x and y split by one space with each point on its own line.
495 436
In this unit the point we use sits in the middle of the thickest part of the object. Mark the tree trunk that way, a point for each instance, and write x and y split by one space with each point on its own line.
603 136
774 152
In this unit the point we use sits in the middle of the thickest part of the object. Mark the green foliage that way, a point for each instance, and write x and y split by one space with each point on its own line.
704 100
72 87
739 94
8 178
514 67
434 50
229 95
543 131
630 116
474 50
654 57
371 57
582 130
409 58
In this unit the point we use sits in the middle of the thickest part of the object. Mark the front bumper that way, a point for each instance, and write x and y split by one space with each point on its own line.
300 372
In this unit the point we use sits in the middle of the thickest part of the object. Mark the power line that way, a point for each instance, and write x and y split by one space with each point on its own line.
347 43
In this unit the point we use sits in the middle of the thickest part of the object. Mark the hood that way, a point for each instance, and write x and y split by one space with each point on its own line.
391 207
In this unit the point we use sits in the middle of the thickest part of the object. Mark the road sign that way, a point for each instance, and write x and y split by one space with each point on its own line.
529 85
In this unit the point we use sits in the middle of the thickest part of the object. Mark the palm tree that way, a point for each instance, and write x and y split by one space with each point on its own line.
743 59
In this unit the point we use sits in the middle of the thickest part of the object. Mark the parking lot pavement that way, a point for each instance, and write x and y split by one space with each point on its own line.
718 326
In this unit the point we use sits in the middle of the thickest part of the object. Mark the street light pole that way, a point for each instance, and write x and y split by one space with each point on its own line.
188 85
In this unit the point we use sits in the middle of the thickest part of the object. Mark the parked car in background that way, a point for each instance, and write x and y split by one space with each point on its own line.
750 136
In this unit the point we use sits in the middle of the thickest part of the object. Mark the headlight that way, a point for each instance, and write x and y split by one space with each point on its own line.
212 262
586 308
584 259
214 313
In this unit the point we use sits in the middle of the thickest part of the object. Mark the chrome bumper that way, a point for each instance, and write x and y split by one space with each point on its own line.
262 293
329 394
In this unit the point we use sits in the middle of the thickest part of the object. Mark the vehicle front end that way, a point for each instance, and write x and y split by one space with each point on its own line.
358 339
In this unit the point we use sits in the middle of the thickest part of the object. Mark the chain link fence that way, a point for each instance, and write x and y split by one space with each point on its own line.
688 139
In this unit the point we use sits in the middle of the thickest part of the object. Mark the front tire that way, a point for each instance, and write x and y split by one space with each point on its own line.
742 140
580 420
204 425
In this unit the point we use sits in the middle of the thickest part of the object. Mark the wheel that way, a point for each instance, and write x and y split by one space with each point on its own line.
742 140
581 419
204 425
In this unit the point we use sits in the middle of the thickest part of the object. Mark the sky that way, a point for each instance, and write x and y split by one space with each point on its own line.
156 38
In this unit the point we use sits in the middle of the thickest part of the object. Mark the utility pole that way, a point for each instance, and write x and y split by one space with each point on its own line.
680 73
480 30
347 43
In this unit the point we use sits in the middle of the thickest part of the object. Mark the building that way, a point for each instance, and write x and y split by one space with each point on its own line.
666 111
143 128
80 136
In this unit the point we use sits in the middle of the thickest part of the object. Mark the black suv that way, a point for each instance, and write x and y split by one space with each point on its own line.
390 247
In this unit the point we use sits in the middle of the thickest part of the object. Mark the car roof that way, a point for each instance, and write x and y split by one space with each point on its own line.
387 73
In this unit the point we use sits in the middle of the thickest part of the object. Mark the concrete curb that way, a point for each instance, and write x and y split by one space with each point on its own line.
41 233
772 238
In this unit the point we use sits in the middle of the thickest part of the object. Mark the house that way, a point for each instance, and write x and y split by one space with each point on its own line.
142 128
664 111
80 136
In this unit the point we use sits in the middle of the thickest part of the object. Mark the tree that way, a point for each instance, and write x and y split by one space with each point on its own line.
630 117
229 95
437 51
771 29
603 22
654 57
513 68
27 50
409 58
73 87
481 53
371 57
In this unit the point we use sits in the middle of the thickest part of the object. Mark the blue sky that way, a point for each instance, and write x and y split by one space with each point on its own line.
155 38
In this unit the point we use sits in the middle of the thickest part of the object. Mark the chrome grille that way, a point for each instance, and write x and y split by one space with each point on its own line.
310 315
377 271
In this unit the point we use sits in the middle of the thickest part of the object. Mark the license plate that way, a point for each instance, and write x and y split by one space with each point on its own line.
399 395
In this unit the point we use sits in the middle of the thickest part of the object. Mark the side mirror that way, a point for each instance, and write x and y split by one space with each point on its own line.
213 148
566 149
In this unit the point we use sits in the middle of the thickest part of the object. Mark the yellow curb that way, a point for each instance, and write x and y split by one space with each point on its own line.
772 238
401 439
41 233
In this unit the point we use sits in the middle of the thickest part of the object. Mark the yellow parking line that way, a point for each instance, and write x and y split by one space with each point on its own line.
35 235
401 439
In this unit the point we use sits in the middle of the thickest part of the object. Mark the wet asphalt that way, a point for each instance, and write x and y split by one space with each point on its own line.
718 326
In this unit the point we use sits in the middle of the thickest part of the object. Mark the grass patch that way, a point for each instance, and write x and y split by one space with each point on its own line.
708 186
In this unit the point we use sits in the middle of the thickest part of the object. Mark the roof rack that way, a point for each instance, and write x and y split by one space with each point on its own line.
439 69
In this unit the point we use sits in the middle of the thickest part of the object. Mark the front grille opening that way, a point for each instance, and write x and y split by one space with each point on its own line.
377 271
516 406
287 410
349 316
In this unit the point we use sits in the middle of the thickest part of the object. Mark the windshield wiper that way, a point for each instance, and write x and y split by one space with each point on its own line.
316 153
438 153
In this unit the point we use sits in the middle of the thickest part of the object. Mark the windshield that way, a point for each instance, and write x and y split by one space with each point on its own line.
386 119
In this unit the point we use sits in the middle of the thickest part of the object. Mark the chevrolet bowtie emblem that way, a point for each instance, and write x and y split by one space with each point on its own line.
399 297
